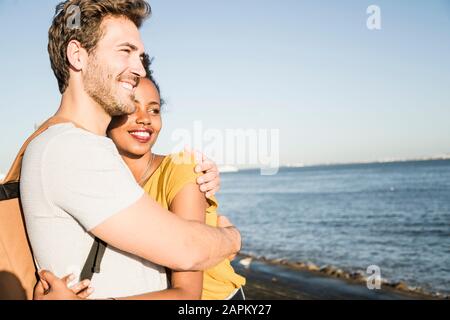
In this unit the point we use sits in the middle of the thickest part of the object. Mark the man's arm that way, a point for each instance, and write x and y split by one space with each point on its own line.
88 177
190 204
153 233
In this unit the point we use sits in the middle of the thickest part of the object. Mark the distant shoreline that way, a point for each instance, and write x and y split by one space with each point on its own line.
345 164
280 279
394 161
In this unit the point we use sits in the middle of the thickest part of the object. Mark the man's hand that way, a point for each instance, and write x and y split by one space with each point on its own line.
210 180
224 222
50 287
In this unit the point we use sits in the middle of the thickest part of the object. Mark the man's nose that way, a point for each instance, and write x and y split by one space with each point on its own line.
138 68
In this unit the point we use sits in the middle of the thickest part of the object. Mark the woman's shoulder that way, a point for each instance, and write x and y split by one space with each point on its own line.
179 171
181 161
180 165
182 158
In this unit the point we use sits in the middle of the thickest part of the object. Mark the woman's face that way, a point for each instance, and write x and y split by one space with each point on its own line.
135 134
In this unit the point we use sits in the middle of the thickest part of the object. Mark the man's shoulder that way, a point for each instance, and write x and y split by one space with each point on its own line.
65 141
55 134
66 135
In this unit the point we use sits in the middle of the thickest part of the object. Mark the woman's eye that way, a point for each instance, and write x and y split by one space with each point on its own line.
154 111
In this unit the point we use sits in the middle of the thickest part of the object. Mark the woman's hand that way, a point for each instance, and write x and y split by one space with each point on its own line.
50 287
210 180
224 222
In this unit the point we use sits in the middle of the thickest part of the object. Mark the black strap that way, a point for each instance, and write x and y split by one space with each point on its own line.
94 260
9 191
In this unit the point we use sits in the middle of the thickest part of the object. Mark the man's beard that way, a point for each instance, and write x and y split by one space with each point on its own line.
101 85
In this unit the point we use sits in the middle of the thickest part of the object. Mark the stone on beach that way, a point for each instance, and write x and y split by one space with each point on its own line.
246 262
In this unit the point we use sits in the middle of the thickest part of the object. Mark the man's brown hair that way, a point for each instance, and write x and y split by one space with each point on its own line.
88 32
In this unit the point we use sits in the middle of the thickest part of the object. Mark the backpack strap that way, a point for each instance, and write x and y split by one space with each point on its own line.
94 259
9 189
14 172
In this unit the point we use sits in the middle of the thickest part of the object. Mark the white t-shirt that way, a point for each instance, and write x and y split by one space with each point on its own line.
72 181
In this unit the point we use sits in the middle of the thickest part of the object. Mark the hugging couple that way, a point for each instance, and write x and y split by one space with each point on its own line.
106 217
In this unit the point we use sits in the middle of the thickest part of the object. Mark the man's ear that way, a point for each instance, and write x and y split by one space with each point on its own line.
76 55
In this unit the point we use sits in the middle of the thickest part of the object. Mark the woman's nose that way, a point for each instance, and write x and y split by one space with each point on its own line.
143 118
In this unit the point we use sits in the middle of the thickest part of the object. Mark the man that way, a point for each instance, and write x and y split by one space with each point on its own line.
74 184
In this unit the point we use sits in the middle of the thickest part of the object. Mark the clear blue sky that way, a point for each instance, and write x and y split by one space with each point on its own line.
337 91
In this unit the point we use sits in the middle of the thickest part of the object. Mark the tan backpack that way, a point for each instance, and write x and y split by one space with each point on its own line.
17 269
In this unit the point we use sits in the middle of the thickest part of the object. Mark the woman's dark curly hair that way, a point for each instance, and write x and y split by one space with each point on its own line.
147 62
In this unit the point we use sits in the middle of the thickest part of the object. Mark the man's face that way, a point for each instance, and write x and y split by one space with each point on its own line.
115 66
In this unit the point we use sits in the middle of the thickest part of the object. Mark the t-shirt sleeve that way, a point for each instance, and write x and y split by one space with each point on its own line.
86 177
181 173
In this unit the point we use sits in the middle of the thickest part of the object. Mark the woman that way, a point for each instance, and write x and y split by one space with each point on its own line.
171 181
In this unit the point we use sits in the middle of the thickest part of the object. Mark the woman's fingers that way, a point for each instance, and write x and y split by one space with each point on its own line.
69 278
50 281
45 285
206 165
211 193
210 181
39 291
208 177
85 293
223 221
207 187
80 286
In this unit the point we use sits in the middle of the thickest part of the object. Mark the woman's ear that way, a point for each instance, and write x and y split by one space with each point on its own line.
76 55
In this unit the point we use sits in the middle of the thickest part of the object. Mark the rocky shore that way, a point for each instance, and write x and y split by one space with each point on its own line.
280 279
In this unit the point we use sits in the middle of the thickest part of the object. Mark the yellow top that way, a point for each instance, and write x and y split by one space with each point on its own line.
175 172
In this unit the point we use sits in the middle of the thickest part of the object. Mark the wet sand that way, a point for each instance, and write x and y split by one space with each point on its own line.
272 281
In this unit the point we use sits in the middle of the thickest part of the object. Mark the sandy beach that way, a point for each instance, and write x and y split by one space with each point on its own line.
275 281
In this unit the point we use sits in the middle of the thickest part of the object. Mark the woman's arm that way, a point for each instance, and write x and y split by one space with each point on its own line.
190 204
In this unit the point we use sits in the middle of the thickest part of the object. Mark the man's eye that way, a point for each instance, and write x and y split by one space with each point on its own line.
126 50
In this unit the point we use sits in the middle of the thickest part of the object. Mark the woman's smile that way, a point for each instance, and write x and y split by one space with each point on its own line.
142 135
